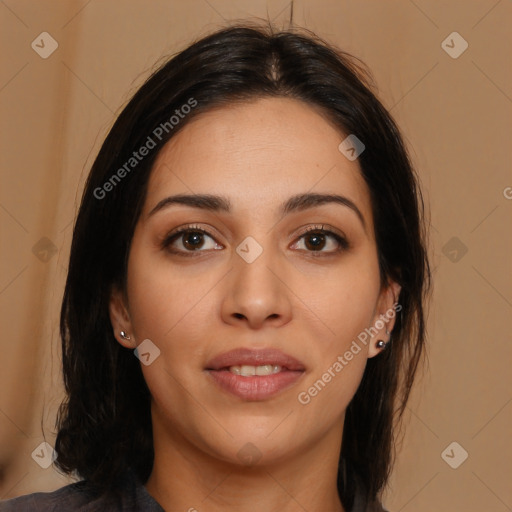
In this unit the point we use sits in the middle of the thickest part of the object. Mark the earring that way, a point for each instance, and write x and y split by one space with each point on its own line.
381 344
124 335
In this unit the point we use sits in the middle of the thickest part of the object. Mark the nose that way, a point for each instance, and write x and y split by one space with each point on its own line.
257 293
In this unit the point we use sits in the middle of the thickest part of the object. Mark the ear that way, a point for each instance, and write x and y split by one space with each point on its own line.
385 317
120 318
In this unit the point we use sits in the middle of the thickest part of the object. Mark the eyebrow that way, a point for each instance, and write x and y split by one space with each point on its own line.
295 203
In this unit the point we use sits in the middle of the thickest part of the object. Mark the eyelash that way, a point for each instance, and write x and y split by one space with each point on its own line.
317 229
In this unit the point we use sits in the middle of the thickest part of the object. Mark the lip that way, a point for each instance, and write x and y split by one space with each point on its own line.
257 387
253 357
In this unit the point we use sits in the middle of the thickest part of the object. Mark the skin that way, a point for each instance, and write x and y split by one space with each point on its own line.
257 154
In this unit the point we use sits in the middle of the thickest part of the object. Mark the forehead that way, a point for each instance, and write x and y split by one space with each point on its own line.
258 153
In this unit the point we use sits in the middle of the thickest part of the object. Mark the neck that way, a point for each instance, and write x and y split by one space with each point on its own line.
185 478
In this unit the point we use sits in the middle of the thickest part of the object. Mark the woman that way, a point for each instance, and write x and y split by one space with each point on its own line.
244 309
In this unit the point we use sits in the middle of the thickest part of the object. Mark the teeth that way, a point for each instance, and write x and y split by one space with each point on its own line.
249 371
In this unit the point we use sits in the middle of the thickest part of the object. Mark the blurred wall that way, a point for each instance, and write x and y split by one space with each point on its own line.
67 69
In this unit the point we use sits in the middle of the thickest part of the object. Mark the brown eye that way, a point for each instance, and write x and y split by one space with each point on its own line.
322 241
192 240
315 241
189 240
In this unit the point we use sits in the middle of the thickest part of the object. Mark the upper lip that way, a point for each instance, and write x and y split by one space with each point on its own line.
254 357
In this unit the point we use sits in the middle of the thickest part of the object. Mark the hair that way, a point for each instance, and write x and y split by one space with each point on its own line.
104 424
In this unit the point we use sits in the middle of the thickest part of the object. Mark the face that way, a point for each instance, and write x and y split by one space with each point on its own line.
255 301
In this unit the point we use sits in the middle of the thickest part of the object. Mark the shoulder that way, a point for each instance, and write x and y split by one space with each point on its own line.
69 497
79 497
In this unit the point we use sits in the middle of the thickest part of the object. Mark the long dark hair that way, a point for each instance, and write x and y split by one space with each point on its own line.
104 426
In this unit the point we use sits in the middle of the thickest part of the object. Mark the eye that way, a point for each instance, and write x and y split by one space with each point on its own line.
316 238
189 239
192 239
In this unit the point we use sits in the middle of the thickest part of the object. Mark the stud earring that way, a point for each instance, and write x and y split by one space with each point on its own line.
381 344
124 335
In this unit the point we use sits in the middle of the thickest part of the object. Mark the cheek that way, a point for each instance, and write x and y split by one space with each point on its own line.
345 304
168 307
161 298
339 357
327 393
346 301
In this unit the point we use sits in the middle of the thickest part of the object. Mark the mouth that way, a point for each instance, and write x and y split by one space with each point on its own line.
254 375
250 370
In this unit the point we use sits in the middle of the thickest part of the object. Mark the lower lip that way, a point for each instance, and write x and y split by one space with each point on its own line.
258 387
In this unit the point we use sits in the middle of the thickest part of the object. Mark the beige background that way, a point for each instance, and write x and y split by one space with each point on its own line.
456 116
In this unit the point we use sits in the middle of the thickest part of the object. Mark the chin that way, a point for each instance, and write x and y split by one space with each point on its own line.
252 451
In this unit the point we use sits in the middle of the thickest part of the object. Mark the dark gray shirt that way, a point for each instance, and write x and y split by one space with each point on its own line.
78 497
133 498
